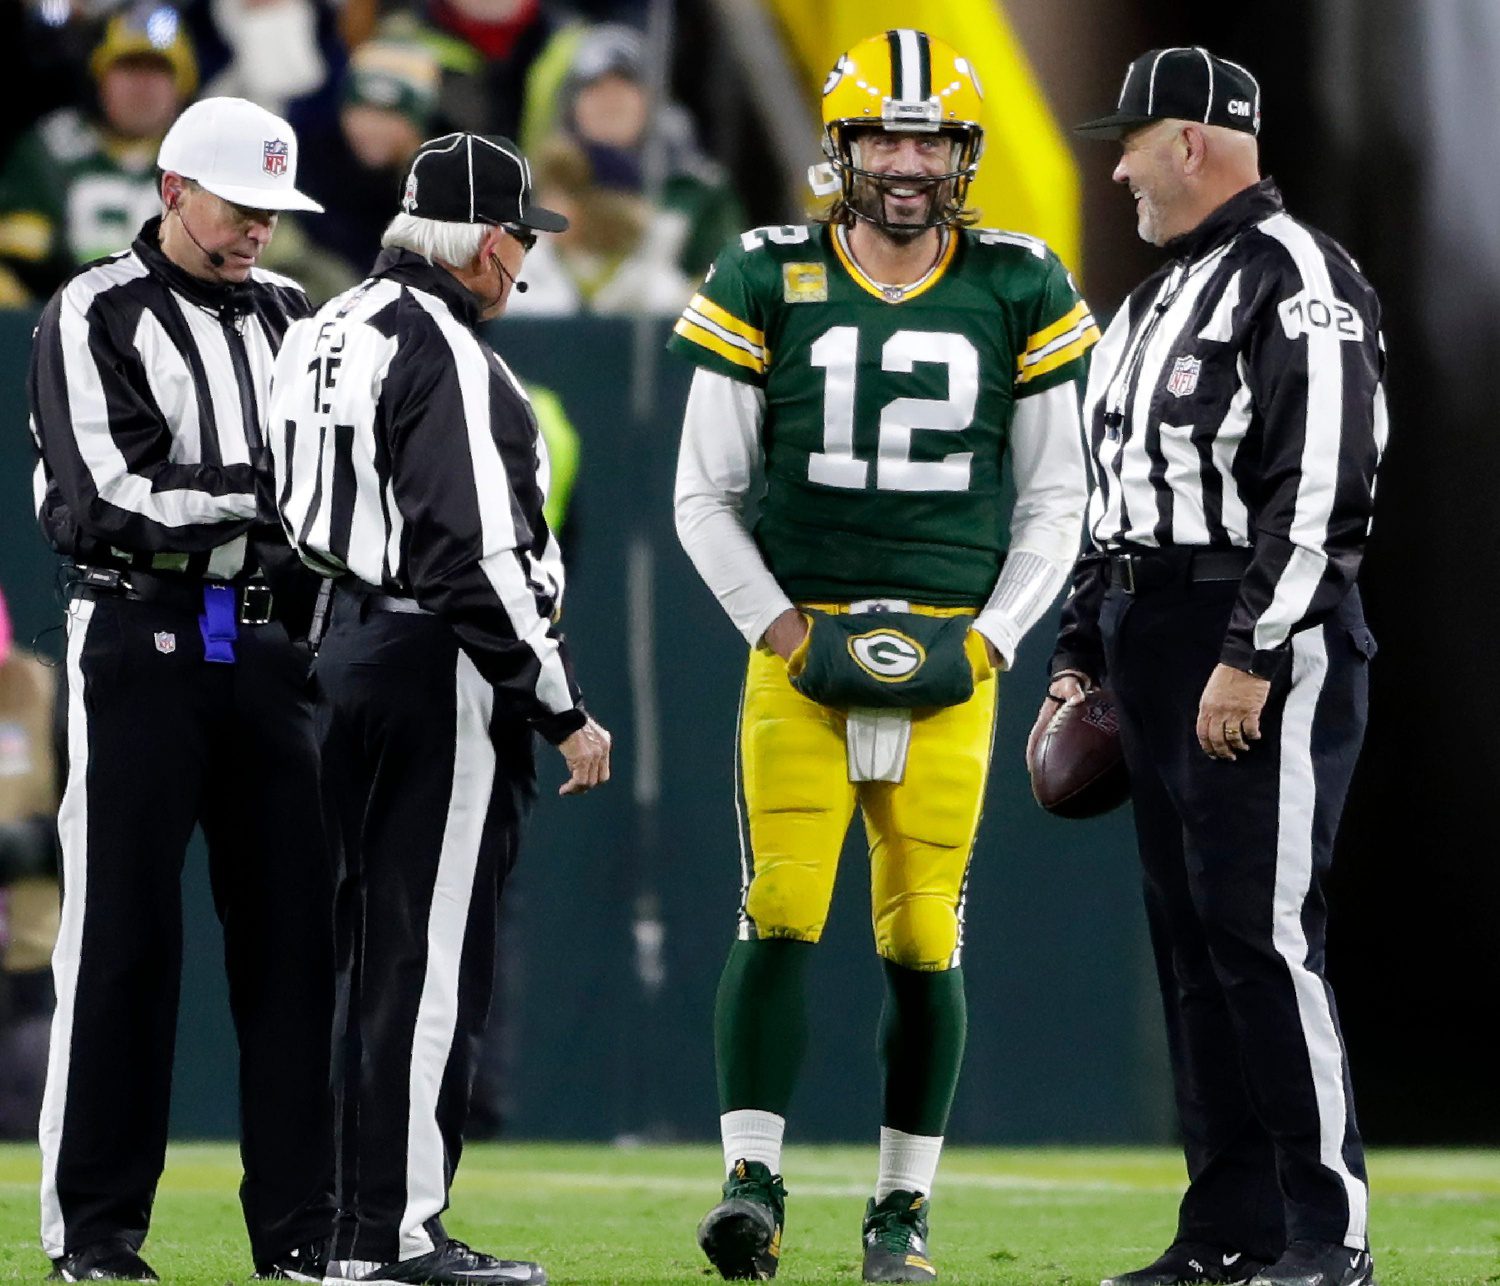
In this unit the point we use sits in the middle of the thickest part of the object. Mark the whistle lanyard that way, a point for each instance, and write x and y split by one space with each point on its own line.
1122 386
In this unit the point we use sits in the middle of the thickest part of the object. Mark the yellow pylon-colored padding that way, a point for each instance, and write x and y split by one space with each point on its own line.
1027 180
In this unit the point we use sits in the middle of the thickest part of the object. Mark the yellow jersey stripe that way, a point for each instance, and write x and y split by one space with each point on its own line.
1061 326
26 235
864 282
727 320
1036 355
693 317
707 339
1061 357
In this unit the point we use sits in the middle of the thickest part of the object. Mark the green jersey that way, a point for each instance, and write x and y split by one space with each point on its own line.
71 193
888 410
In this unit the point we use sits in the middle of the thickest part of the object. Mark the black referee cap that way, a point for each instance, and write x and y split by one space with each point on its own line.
474 178
1185 83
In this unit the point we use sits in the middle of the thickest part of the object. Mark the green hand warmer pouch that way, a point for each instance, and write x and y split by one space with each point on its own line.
885 660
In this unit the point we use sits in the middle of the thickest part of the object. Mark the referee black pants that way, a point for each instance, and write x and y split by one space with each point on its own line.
1234 856
424 787
160 740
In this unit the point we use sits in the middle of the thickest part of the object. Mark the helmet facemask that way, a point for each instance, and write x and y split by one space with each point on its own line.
864 192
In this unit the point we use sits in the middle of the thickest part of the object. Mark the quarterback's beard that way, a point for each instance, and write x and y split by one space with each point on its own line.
869 204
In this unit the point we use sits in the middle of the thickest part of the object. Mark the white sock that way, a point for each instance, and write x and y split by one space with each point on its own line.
750 1135
907 1162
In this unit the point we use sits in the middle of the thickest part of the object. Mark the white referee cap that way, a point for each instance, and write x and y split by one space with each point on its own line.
237 151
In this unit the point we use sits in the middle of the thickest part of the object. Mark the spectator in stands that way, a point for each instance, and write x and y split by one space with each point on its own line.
47 47
29 789
389 95
618 254
285 55
79 185
502 61
605 105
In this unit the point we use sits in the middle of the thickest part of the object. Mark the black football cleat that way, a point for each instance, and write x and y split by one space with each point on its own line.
451 1264
1315 1263
104 1261
1185 1263
299 1264
895 1236
742 1234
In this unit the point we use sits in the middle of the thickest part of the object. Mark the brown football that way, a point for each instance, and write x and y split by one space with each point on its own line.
1077 765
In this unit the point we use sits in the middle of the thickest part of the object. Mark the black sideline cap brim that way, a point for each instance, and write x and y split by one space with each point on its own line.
1115 125
543 219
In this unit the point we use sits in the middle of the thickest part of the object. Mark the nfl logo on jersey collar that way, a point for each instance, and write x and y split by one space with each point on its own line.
1184 377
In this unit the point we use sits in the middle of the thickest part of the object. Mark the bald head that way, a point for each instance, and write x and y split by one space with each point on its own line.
1180 172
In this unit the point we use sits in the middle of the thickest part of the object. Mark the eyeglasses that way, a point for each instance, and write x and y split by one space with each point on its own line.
524 235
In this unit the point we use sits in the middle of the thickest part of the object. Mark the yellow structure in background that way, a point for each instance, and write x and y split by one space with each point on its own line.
1027 180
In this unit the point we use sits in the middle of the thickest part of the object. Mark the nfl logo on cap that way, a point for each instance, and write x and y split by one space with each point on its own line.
274 157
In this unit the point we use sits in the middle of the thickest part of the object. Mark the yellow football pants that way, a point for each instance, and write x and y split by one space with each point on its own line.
799 802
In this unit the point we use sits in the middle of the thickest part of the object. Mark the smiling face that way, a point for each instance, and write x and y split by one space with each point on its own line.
1152 166
887 157
202 224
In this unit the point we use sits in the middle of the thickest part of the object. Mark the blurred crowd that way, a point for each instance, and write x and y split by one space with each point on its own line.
363 82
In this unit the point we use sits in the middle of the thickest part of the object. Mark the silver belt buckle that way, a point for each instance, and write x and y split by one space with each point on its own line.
1128 562
256 602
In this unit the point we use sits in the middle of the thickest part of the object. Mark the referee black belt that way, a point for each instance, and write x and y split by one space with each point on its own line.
1142 571
254 602
370 599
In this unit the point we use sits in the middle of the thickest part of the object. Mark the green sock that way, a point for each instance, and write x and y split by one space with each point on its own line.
760 1024
922 1029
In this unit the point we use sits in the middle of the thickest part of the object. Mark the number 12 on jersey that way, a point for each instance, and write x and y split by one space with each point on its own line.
837 352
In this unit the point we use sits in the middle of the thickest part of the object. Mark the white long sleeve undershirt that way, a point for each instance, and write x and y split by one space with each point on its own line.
720 465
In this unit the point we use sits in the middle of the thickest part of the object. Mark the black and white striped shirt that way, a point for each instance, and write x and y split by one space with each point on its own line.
148 387
1237 400
407 458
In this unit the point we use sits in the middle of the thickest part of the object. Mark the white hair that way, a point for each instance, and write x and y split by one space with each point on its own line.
453 243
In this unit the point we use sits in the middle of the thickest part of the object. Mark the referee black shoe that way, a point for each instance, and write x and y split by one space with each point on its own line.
451 1264
1186 1263
105 1261
1316 1263
299 1264
742 1234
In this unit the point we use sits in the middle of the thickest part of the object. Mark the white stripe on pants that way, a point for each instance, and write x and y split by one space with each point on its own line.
437 1011
1294 870
73 831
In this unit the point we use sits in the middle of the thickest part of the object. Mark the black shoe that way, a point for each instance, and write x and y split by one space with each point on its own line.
451 1264
895 1233
104 1261
1187 1262
1316 1263
742 1234
299 1264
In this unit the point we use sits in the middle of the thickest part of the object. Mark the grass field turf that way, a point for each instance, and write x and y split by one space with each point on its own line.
595 1214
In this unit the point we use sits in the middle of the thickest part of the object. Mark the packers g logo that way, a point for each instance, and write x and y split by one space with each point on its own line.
840 69
887 655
